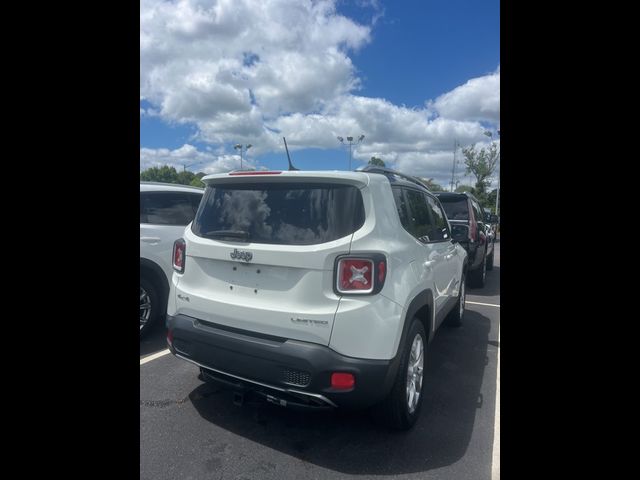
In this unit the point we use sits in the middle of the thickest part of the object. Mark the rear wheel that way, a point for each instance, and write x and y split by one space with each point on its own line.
401 408
149 305
477 276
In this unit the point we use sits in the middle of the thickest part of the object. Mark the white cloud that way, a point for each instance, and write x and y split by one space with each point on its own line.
190 156
252 72
478 99
202 58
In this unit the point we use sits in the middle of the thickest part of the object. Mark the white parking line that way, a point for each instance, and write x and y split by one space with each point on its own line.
154 356
495 461
486 304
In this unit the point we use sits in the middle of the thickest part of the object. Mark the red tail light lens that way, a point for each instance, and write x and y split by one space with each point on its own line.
179 254
342 381
355 275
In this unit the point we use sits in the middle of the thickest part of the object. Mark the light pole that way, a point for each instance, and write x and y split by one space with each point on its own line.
490 135
184 167
351 142
453 170
238 146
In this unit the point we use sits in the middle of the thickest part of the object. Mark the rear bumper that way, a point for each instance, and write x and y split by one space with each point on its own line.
291 372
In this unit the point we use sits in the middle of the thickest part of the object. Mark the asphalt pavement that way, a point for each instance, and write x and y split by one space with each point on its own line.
192 430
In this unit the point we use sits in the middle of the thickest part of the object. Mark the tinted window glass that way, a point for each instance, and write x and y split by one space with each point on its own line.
419 214
456 208
280 213
195 201
166 208
440 229
402 208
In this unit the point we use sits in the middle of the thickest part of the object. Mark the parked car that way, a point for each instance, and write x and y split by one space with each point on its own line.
491 241
165 209
491 220
316 290
467 220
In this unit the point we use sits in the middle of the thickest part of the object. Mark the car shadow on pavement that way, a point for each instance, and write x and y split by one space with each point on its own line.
349 442
154 340
491 284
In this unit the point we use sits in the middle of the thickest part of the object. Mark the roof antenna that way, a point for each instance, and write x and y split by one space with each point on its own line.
291 167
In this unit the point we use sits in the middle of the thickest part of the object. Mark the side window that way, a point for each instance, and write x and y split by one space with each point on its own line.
419 215
143 216
440 227
401 205
166 208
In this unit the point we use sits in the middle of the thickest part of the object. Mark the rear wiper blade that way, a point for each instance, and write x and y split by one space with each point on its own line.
227 233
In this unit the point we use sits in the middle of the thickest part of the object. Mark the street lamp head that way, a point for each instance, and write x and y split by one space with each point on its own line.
237 146
350 139
340 139
361 138
488 133
249 146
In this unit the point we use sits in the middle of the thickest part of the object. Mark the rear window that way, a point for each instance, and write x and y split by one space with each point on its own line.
456 208
280 213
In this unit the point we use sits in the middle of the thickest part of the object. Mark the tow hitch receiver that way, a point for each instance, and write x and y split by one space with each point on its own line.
277 401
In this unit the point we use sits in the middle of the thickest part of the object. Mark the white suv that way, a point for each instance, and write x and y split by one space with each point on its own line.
165 209
316 289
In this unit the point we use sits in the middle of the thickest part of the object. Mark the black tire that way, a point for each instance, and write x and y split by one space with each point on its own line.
149 288
393 411
454 318
490 258
477 276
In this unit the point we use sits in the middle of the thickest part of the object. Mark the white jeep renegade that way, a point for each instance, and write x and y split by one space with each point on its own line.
316 289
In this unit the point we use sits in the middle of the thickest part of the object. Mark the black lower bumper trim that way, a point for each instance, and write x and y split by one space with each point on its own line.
263 365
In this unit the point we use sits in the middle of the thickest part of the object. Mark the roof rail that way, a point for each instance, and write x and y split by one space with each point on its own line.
384 170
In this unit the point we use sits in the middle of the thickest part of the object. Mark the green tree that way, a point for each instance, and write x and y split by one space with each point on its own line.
196 182
481 163
465 188
491 200
378 162
165 174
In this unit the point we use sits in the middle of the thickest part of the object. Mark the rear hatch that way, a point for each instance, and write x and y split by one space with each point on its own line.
260 252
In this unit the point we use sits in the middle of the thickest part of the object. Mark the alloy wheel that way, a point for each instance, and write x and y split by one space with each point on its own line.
145 307
415 370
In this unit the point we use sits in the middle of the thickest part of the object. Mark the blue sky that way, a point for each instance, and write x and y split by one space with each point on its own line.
413 76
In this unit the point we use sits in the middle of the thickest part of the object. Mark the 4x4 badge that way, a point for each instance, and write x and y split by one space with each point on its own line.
240 255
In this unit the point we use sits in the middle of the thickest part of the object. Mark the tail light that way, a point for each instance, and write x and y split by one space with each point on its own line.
473 227
170 337
360 275
179 255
